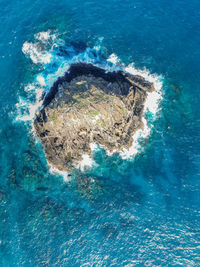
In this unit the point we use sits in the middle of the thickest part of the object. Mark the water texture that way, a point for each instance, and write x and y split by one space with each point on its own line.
123 212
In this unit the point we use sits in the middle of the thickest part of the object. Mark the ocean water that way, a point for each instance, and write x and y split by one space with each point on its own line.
138 209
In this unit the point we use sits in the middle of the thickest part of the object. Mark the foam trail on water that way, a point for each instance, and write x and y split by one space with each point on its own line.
45 52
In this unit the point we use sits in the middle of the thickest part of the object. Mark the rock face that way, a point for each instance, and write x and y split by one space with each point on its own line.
90 105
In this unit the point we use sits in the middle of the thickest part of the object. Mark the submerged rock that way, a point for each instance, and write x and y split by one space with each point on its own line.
89 105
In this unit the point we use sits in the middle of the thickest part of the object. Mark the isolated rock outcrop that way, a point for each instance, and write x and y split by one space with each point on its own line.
89 105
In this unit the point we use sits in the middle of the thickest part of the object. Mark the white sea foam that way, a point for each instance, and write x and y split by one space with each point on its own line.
113 58
26 108
43 36
29 88
93 146
41 80
64 174
36 54
41 52
86 163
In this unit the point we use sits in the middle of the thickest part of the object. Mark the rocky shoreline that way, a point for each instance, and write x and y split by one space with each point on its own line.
89 105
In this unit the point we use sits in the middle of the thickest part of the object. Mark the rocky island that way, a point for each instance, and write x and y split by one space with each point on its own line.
89 105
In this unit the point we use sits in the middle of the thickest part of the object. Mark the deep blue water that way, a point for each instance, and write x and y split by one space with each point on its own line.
143 212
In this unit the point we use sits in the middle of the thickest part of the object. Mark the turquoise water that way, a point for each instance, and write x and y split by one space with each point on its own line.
141 212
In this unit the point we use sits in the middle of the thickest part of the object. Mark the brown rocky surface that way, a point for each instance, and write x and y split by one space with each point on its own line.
90 105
